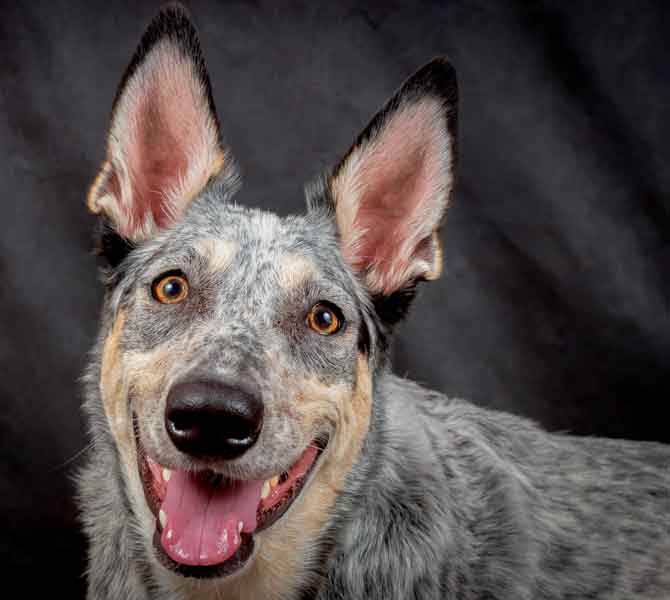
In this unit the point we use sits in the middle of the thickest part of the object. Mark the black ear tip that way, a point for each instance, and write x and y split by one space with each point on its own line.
173 24
174 13
173 21
175 8
442 68
437 77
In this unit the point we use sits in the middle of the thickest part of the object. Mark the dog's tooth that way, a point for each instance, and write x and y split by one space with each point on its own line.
239 526
274 481
265 491
169 534
162 517
166 474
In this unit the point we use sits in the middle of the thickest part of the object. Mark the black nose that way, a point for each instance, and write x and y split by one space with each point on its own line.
210 419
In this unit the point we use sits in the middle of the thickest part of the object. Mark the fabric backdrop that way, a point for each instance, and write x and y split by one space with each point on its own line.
555 301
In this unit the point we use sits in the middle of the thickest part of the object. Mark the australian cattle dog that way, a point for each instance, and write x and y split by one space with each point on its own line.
249 439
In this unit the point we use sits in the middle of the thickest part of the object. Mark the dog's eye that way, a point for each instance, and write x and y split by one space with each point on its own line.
324 318
170 288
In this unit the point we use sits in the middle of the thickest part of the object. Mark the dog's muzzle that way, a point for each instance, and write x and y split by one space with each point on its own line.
205 521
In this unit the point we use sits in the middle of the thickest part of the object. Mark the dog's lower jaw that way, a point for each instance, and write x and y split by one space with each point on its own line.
286 559
226 514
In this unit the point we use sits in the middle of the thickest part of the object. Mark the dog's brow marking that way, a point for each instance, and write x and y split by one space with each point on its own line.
295 270
218 253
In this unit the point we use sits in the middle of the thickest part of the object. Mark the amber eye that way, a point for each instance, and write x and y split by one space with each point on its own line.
324 318
170 289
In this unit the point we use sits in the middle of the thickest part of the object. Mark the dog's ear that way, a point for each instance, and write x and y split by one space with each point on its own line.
164 140
391 189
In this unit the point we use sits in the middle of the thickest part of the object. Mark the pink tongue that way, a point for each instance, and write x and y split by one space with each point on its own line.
202 526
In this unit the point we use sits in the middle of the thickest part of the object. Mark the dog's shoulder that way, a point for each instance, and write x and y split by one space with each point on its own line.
453 477
433 495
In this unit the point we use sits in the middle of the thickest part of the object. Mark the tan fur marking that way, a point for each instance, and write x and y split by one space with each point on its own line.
146 372
92 199
295 270
438 262
140 375
218 253
285 550
112 388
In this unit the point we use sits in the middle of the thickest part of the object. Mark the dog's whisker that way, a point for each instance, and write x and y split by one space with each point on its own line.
76 456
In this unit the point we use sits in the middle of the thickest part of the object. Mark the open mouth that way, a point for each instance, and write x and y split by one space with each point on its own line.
205 522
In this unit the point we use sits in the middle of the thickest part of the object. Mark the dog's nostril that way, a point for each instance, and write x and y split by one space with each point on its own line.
211 419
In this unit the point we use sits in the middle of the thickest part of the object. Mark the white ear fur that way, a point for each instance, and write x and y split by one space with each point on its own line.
163 143
393 187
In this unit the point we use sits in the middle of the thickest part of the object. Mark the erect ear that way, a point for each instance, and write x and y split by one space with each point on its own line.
393 186
164 141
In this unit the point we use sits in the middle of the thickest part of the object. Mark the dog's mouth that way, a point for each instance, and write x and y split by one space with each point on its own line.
205 522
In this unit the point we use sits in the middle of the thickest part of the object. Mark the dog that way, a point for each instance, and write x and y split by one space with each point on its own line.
249 439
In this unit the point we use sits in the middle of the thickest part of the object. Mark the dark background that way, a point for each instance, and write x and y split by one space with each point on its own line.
555 302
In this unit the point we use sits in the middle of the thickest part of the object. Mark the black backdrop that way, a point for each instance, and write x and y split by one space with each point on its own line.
555 299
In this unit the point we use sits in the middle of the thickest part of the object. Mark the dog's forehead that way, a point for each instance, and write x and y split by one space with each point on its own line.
258 235
224 237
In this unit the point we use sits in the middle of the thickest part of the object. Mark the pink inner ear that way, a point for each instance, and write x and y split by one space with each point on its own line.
397 195
164 144
158 157
385 210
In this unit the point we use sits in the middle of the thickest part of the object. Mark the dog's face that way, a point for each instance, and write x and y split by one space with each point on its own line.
240 348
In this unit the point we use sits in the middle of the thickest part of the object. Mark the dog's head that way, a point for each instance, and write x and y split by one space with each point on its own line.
239 349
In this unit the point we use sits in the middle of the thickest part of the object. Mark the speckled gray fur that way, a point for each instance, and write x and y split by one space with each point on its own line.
448 501
445 500
458 502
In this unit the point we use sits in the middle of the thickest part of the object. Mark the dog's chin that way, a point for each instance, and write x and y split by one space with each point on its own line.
206 523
